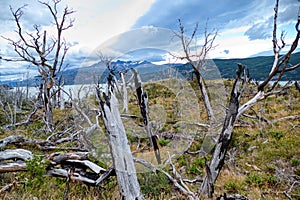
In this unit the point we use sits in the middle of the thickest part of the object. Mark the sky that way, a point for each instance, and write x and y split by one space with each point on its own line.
244 27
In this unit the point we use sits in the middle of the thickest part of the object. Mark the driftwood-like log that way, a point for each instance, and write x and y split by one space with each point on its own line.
15 154
95 168
21 141
60 165
76 159
10 140
105 175
44 145
12 166
75 176
60 157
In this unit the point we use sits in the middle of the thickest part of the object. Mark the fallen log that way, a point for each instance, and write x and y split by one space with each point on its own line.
60 164
58 157
12 166
15 154
95 168
43 145
74 176
20 140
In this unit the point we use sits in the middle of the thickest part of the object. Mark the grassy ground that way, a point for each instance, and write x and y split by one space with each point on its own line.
263 161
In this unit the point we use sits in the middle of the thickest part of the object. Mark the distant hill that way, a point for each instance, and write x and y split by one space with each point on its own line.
259 67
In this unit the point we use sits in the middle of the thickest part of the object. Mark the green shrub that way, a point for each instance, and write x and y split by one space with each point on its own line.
261 179
254 179
196 166
231 187
295 161
182 160
271 168
153 184
36 168
270 179
276 134
163 142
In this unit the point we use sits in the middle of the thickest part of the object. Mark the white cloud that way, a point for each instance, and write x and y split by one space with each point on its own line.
234 44
98 21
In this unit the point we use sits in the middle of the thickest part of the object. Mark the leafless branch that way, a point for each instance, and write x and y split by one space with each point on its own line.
280 66
186 192
26 121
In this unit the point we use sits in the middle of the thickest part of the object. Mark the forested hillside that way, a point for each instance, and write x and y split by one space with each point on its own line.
259 67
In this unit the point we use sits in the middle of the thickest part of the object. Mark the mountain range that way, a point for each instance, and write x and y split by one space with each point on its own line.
259 67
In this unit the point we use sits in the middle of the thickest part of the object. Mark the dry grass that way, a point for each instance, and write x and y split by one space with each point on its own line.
263 160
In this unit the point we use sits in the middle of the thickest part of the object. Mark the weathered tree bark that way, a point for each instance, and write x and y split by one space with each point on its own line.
13 166
44 145
297 85
125 94
15 154
21 155
221 147
205 97
77 162
144 108
120 150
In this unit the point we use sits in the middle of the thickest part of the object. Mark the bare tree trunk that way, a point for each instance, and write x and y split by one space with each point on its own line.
218 158
27 88
47 106
205 97
119 147
144 108
297 85
209 39
125 95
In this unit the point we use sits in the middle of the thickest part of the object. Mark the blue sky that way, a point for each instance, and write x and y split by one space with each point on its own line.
244 27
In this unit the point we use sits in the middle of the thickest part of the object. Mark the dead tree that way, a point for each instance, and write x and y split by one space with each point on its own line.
124 94
144 109
222 145
297 85
197 60
43 51
113 71
120 150
119 146
235 110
